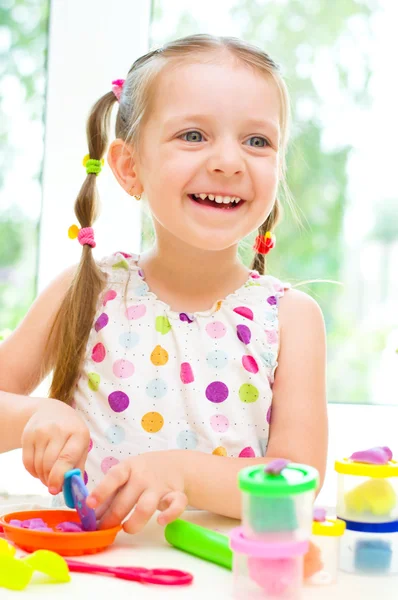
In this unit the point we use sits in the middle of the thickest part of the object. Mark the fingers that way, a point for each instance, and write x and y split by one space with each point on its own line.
74 449
28 454
144 509
115 479
172 506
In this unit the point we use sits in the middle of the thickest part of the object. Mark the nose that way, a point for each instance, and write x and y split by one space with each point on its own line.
226 158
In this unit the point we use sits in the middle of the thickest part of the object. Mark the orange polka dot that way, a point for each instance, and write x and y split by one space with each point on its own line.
220 451
152 422
218 305
159 356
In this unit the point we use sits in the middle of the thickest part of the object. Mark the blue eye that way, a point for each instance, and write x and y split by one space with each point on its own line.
192 136
257 142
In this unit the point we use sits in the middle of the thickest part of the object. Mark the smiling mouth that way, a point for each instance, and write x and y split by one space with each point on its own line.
215 201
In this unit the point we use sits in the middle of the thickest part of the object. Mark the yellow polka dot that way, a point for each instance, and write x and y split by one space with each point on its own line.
218 305
152 422
159 356
220 451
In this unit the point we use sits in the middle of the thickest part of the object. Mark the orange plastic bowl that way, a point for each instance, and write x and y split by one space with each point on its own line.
66 544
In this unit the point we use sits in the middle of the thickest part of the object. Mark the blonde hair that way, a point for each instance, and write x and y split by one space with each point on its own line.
70 332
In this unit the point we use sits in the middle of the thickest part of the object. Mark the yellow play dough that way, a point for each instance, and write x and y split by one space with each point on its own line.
376 496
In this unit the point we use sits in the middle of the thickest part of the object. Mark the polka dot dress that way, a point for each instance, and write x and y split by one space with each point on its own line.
154 379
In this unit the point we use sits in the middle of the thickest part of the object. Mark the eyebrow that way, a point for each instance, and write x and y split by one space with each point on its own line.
251 123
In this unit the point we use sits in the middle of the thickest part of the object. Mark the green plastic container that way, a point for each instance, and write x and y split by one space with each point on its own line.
278 507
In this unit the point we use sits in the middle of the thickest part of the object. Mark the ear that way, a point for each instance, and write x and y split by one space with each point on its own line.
121 159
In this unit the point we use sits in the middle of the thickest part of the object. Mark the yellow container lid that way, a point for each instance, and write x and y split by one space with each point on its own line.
329 528
349 467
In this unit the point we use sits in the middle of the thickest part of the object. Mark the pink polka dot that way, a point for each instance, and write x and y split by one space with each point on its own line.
219 423
250 364
244 311
186 373
101 322
269 412
272 336
109 295
136 312
247 452
90 445
123 368
118 401
217 392
244 333
98 354
255 275
216 329
107 463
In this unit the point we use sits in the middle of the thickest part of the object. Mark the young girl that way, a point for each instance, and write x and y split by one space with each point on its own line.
175 369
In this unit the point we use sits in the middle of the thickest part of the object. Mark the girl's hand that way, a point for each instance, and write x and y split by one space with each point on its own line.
54 440
149 482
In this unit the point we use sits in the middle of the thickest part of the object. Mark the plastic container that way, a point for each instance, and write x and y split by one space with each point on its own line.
266 570
66 544
326 538
278 508
370 548
367 493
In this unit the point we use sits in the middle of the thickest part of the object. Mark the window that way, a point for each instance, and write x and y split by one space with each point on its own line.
337 60
23 43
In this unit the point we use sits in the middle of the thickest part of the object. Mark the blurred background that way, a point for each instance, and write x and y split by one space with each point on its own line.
339 62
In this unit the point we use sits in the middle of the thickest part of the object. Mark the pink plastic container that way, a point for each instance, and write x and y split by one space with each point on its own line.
266 570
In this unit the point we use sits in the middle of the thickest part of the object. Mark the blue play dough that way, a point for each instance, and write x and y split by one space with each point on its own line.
272 514
373 556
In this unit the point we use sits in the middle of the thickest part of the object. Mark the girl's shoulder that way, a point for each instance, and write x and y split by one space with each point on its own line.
119 266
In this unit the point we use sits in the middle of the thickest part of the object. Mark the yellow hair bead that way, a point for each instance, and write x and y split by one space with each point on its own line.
73 232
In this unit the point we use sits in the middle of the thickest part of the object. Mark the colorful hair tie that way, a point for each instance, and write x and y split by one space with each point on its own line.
264 243
85 235
117 87
92 165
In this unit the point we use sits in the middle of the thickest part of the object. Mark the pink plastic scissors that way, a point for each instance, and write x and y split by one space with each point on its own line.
140 574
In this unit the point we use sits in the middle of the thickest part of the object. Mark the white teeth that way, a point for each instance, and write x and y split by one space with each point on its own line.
219 199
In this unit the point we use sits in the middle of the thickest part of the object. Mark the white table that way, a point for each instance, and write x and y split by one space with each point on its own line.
149 549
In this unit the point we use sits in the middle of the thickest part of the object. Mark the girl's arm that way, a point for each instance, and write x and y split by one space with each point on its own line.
24 364
298 429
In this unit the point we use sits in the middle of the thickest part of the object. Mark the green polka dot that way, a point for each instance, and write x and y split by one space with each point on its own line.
248 393
93 381
162 325
122 264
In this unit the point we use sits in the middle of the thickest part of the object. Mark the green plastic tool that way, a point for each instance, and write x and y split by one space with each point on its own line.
199 541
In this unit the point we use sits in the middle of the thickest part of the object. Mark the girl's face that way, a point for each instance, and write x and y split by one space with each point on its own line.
213 131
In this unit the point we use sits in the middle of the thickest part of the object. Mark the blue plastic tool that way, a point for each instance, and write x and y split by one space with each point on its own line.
75 494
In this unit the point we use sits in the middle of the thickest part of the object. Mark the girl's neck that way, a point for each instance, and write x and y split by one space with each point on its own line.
192 273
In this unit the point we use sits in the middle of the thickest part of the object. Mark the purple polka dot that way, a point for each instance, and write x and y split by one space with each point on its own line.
244 333
250 364
269 412
244 311
247 452
217 392
186 317
85 477
118 401
101 322
272 300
